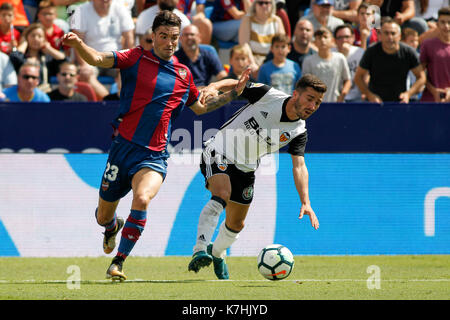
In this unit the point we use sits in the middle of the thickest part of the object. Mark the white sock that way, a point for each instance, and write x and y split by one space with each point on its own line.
224 240
207 222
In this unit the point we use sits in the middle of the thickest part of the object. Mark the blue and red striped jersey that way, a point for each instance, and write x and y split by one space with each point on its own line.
154 91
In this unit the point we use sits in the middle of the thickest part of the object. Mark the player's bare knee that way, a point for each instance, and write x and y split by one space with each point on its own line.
222 193
141 201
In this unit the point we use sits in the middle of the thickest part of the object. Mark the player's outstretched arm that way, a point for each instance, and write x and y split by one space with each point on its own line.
301 179
213 89
88 54
212 103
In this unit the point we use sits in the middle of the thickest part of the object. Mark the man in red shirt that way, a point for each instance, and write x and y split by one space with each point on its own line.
435 58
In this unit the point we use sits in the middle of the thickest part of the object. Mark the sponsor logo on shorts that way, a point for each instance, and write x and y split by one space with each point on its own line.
105 185
222 166
285 136
247 194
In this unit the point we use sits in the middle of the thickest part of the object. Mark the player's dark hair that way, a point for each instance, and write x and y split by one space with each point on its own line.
310 81
444 11
167 19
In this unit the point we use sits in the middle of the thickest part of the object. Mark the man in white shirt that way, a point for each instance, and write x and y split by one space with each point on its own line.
103 25
344 37
8 76
146 17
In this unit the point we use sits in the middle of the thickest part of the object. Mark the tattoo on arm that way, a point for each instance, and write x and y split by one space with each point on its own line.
220 100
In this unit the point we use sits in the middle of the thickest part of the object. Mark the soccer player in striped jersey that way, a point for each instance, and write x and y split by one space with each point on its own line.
155 89
270 121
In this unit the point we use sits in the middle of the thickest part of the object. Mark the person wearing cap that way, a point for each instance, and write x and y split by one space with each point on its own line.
321 15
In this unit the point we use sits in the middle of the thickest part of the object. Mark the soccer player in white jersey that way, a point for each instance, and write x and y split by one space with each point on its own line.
270 121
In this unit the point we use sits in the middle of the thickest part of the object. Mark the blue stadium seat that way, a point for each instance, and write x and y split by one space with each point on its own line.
226 44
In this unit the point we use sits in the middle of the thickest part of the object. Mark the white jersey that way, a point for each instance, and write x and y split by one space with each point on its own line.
258 128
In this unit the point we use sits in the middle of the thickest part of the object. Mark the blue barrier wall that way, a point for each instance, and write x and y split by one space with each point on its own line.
366 204
379 182
334 128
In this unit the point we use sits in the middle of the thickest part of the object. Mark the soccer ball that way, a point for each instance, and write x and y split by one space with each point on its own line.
275 262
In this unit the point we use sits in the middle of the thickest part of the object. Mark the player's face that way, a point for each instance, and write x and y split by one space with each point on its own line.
165 41
306 102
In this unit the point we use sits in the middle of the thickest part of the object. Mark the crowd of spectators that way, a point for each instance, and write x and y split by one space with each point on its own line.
364 50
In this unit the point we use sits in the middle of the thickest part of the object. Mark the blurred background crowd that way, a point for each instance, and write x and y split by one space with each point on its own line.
372 50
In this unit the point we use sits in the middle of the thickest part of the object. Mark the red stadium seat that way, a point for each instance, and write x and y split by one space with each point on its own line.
86 89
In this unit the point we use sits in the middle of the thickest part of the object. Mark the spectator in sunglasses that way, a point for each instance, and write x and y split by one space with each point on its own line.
67 81
26 89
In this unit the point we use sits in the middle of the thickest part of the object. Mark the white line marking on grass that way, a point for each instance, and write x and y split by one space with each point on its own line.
32 281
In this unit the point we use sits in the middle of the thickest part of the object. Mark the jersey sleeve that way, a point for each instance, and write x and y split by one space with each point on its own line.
298 144
254 91
126 58
193 92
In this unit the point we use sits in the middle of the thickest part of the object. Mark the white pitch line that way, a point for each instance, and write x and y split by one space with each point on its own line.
32 281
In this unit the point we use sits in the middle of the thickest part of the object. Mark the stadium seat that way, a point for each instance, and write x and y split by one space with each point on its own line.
86 90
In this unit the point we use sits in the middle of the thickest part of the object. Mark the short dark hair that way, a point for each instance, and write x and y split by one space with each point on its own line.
321 31
343 26
166 18
6 6
388 19
310 81
282 38
444 11
363 5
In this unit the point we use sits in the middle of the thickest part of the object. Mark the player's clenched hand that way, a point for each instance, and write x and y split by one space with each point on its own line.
307 210
243 81
70 39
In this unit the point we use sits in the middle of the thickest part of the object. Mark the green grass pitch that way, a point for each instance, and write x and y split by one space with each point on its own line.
421 277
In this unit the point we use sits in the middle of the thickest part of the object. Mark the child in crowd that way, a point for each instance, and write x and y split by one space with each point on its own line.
365 33
239 61
280 72
47 15
411 38
9 36
331 67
